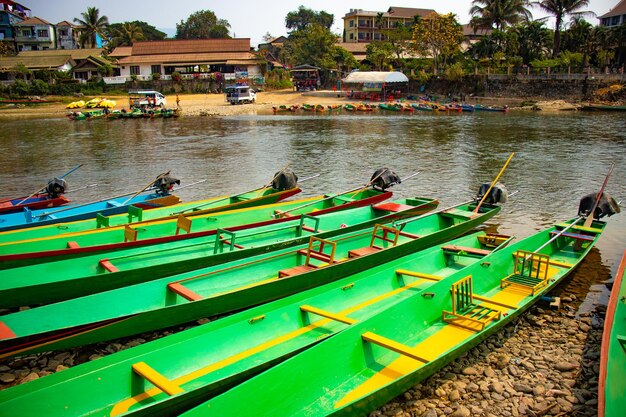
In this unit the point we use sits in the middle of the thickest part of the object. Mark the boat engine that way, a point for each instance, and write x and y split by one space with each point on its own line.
498 193
285 180
607 206
384 178
164 184
56 187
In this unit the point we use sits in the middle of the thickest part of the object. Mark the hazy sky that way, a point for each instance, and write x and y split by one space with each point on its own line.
248 18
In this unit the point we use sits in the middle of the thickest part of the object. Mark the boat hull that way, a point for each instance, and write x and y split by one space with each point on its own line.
40 201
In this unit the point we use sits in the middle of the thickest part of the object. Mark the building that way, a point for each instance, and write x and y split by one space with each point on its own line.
615 17
10 14
67 35
34 34
366 26
195 58
8 65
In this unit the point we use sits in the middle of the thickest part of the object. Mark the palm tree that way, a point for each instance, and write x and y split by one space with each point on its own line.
499 13
558 9
90 25
533 40
126 35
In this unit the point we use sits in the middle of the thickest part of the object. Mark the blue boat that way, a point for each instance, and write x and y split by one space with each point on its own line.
155 195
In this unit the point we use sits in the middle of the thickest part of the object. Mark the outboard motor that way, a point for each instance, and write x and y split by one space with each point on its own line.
607 206
285 180
56 187
498 193
164 184
384 178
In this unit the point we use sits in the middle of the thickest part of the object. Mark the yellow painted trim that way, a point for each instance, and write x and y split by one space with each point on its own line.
494 302
561 264
418 274
393 345
124 405
158 380
327 314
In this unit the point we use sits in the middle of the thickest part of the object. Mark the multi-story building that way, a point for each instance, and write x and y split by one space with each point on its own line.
10 14
66 35
34 34
367 26
615 17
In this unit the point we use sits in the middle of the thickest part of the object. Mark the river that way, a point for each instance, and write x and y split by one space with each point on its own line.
558 158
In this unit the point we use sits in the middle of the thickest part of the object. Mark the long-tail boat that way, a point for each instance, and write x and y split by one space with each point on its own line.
180 230
206 360
134 215
373 360
156 194
206 292
612 380
60 280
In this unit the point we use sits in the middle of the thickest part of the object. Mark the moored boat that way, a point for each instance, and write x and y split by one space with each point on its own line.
603 107
374 360
143 199
612 379
34 202
209 359
480 107
218 289
58 280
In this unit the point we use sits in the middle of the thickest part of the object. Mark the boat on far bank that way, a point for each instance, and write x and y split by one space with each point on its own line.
602 107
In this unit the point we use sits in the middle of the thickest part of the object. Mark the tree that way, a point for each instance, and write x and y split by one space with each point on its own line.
150 33
268 37
203 25
90 25
125 35
313 45
533 39
499 13
438 36
6 49
559 9
379 54
303 18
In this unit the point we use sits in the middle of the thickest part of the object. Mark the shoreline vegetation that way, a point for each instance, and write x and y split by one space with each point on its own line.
216 105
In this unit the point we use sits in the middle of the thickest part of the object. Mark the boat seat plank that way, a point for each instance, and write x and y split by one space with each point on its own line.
530 271
183 223
409 235
327 314
393 207
156 379
300 269
315 250
577 236
72 245
355 253
393 345
418 275
106 264
183 291
465 250
453 212
130 234
464 309
113 203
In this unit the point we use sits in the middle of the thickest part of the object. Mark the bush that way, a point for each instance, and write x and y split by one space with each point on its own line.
39 88
21 88
156 76
176 76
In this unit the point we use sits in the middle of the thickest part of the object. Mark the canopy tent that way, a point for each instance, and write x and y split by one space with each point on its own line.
375 77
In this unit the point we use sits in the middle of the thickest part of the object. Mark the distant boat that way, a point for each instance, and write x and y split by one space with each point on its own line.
603 107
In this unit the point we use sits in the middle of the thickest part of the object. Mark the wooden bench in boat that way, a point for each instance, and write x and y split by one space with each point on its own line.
183 291
315 250
183 223
465 250
393 346
327 314
387 234
530 271
464 309
393 207
130 234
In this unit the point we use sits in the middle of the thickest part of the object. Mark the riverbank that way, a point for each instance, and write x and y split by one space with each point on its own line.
215 104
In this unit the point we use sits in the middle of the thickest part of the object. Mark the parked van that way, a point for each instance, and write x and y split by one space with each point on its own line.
240 94
146 98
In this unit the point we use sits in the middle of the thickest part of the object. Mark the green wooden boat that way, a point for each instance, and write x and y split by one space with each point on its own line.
603 107
62 280
205 361
612 380
182 229
136 215
376 359
200 293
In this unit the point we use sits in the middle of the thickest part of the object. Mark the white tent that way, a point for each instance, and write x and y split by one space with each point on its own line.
376 77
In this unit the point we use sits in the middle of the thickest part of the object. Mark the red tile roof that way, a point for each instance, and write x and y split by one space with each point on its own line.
186 46
192 58
32 21
408 12
616 11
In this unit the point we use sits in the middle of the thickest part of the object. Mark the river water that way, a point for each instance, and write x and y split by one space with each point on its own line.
558 159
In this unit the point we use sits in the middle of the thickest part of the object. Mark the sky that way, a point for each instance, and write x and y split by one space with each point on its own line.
249 18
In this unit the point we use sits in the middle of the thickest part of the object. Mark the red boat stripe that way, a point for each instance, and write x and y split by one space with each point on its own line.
5 332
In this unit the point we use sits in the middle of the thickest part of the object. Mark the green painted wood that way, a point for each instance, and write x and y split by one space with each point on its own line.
315 381
62 280
249 199
215 356
612 384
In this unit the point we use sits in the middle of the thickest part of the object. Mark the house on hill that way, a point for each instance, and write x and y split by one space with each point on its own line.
615 17
365 26
192 58
34 34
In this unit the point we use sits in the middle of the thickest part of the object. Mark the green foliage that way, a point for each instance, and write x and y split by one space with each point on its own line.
156 76
380 55
125 34
150 33
571 59
133 77
304 17
105 70
545 63
314 45
21 88
203 25
455 72
437 36
90 25
278 79
39 88
176 76
499 13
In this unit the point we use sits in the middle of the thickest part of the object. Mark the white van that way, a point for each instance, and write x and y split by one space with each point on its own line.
240 94
146 98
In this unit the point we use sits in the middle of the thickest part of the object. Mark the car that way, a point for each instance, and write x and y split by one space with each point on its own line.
240 94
